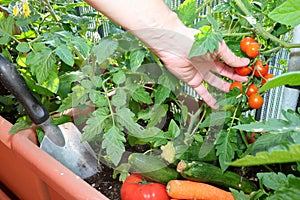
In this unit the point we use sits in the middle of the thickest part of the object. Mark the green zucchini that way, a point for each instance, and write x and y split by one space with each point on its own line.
153 167
208 173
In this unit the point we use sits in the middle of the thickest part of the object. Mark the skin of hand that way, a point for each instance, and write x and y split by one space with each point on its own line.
162 31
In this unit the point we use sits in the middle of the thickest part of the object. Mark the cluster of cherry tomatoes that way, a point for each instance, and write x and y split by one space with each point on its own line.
257 72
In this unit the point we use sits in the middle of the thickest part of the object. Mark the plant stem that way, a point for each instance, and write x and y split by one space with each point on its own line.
235 34
201 7
51 10
259 28
108 101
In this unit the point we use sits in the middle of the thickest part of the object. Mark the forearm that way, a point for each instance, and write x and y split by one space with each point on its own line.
138 14
151 21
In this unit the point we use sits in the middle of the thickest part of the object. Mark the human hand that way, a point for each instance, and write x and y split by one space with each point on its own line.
173 49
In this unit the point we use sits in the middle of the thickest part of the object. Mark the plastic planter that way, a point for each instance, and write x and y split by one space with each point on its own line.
30 173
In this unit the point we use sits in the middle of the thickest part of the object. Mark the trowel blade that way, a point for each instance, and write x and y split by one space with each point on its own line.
75 155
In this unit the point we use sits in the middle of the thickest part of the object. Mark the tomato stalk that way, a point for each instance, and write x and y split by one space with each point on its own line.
259 28
52 12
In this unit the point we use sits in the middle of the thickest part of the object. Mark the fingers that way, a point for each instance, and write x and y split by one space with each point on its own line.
229 57
206 96
217 82
228 72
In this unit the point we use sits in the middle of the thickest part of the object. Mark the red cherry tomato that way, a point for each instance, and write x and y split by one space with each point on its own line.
260 70
236 85
253 137
245 42
266 78
252 89
252 50
243 71
255 101
135 188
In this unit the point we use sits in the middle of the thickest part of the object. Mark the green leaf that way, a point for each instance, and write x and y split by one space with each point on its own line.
52 82
173 129
157 114
216 119
289 78
240 195
6 26
270 142
23 47
161 94
119 77
79 95
114 144
272 180
81 45
287 13
285 187
125 118
291 123
21 124
123 171
142 96
95 124
168 80
136 59
120 98
276 156
42 63
105 48
226 146
221 7
188 12
65 54
98 98
197 49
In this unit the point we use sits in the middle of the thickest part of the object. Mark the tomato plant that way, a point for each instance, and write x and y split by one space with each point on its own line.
252 89
136 187
255 101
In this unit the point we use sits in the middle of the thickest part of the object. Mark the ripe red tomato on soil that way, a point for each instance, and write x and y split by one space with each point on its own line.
260 69
243 71
244 43
266 78
252 89
252 50
236 85
135 187
255 101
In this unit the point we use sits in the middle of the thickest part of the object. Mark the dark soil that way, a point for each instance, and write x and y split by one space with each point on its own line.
105 183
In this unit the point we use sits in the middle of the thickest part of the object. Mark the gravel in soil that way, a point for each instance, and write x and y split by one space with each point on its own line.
105 183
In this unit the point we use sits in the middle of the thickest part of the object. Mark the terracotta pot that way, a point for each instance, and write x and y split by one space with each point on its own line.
30 173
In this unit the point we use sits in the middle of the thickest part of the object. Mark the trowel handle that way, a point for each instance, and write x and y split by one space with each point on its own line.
14 82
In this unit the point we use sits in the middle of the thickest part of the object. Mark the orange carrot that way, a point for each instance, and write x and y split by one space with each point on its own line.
184 189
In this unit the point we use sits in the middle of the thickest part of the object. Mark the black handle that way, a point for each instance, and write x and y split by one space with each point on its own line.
14 82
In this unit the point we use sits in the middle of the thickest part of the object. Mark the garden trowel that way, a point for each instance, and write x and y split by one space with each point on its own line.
62 142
